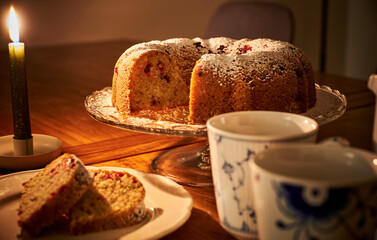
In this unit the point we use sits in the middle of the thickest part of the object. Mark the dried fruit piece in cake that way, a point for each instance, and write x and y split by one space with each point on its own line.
52 192
114 200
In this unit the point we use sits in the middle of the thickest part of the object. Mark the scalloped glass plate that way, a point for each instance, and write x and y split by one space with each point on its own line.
331 104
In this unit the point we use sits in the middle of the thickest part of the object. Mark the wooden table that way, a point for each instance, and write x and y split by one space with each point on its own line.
59 79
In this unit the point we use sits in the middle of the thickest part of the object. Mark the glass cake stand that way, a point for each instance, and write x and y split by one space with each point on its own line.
190 165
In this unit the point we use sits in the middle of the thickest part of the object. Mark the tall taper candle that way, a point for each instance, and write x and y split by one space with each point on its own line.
20 104
22 141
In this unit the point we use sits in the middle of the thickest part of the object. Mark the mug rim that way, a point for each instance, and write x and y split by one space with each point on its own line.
288 137
338 183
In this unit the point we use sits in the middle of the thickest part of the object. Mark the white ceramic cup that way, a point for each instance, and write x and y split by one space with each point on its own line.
234 139
315 192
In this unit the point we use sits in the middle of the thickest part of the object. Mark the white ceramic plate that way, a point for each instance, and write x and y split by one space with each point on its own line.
169 207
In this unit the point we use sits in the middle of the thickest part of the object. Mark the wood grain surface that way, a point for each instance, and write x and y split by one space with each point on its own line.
59 79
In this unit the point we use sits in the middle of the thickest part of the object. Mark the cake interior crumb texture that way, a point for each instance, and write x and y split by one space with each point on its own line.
114 199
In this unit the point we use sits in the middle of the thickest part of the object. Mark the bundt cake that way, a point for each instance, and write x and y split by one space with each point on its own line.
51 193
213 76
114 199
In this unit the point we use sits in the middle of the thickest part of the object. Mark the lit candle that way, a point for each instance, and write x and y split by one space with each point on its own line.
20 106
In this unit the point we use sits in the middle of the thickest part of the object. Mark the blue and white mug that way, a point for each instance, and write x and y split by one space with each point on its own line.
315 192
234 139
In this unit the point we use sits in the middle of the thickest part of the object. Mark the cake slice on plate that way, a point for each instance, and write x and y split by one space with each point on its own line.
114 200
52 192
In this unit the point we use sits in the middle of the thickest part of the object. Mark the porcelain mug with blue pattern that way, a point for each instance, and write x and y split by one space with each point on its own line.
315 192
234 139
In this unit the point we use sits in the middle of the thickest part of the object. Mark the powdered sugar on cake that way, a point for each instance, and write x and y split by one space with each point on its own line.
259 74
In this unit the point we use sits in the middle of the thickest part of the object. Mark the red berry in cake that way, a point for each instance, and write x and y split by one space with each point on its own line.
166 78
52 194
147 69
118 175
244 49
198 45
113 175
70 163
248 48
221 49
61 189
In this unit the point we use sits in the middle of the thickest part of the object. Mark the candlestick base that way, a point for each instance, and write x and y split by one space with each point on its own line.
22 147
46 149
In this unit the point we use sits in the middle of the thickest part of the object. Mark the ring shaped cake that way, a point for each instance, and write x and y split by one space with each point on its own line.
213 76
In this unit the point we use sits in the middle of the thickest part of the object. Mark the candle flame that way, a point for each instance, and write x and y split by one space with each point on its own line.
13 26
